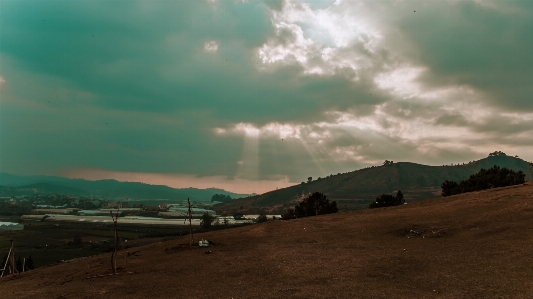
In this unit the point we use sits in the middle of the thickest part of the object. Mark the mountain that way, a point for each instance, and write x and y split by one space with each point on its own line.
105 188
358 188
41 188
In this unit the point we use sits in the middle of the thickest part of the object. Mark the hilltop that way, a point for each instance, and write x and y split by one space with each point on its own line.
360 187
472 245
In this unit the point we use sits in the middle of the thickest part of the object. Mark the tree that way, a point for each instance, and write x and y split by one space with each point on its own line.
449 187
387 162
497 154
387 200
310 179
399 197
288 215
315 204
262 218
207 220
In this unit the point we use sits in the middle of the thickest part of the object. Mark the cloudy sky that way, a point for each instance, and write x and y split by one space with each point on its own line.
256 95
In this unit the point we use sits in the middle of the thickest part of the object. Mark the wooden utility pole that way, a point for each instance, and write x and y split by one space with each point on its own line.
114 255
190 223
10 262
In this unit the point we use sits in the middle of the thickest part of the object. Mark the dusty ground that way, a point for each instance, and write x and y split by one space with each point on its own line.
475 245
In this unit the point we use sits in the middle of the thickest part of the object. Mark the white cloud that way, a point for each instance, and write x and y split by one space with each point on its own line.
211 46
321 41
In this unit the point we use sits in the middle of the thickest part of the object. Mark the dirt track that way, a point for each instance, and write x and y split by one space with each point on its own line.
475 245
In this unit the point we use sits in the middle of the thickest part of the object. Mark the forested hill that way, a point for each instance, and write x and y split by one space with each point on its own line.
415 180
24 185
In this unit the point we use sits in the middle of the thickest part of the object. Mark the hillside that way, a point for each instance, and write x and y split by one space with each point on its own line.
360 187
41 188
474 245
19 185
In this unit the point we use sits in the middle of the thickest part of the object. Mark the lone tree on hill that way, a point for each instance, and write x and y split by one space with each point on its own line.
387 200
315 204
485 179
387 162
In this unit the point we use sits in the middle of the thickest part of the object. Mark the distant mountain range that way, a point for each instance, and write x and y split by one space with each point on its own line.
42 185
416 182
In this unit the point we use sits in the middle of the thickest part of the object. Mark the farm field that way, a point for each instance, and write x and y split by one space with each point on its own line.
48 242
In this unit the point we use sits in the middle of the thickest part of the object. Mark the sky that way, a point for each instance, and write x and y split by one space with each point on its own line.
250 96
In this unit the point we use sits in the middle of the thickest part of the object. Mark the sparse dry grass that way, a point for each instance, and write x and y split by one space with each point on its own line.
475 245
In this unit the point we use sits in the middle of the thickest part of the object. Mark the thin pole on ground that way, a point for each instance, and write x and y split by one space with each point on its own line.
8 265
190 223
10 261
114 255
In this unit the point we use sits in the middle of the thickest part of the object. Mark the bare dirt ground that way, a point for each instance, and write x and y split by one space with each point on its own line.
474 245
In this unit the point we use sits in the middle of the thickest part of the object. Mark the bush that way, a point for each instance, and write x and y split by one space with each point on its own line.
315 204
387 200
288 215
207 220
262 218
485 179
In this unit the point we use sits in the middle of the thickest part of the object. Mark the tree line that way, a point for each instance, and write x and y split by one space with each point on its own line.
221 198
485 179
